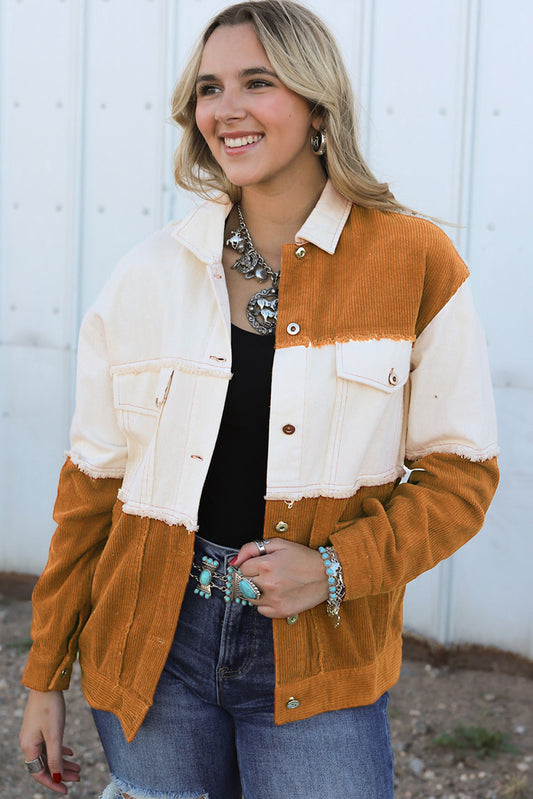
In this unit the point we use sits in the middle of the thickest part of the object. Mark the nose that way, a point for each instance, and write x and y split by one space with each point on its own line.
229 106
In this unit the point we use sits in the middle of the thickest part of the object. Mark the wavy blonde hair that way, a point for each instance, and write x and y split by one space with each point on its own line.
306 58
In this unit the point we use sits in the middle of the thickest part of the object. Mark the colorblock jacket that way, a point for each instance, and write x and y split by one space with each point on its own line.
380 372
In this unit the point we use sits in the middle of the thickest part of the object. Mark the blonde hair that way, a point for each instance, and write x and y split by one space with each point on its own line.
306 58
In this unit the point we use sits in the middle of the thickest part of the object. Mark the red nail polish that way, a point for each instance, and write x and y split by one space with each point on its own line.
56 778
232 561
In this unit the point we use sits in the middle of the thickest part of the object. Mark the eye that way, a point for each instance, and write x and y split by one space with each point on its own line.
206 89
259 83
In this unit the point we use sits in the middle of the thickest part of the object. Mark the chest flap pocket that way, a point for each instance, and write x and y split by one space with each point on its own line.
381 363
142 392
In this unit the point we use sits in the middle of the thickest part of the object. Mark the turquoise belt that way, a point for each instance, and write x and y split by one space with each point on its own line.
234 586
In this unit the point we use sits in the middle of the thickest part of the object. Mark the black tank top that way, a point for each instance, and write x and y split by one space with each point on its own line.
232 505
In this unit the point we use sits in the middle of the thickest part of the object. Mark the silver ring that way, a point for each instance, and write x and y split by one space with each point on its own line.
260 544
248 588
35 765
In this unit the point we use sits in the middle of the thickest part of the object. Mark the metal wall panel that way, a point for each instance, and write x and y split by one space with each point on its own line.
86 171
124 133
419 57
39 104
39 111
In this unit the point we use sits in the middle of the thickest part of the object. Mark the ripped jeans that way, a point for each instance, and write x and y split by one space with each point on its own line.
210 733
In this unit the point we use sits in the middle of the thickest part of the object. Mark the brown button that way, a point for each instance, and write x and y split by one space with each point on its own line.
288 429
293 329
282 527
300 252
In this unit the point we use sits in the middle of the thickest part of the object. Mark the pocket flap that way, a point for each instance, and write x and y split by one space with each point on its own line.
143 392
381 363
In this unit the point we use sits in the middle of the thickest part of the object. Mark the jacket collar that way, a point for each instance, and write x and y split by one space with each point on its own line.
326 221
201 231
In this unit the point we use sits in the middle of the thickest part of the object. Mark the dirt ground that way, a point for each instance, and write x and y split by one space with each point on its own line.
495 709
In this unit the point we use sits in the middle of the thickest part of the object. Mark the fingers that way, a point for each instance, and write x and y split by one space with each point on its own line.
251 550
41 735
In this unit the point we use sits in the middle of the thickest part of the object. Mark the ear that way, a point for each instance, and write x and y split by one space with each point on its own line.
318 118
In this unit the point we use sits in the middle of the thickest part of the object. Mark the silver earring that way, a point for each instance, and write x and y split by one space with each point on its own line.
318 142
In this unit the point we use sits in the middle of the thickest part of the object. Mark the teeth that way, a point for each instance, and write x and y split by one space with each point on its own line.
241 141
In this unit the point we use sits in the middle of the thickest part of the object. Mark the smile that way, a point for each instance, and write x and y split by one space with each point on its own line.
242 141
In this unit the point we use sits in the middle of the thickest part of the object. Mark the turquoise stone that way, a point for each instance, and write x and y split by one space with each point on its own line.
246 589
205 577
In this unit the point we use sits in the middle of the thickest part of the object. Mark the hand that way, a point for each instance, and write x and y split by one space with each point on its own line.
291 577
42 734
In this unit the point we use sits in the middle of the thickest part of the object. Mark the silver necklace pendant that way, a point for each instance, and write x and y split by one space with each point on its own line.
262 311
262 308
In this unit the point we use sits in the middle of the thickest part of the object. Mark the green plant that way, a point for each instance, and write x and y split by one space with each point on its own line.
483 742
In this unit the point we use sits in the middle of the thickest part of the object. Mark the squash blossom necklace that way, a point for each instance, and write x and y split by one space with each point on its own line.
262 308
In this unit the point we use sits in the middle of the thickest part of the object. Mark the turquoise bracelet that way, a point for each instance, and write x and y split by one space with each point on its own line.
337 589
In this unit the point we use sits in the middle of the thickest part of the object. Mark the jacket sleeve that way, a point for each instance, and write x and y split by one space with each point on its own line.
450 450
87 493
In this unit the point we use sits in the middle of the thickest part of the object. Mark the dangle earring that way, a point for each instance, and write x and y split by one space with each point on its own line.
319 142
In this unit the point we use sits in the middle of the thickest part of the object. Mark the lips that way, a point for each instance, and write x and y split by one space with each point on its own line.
241 141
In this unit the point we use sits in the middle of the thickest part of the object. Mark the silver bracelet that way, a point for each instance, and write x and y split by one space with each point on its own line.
337 589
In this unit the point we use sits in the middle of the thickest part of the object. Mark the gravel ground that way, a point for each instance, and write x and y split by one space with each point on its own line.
426 703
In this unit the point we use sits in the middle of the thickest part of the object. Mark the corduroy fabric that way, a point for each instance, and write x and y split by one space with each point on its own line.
137 587
408 263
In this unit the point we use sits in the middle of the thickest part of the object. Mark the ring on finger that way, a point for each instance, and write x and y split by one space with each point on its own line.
35 765
261 545
248 588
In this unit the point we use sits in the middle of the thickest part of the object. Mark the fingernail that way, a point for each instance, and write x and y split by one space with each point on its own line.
56 778
233 560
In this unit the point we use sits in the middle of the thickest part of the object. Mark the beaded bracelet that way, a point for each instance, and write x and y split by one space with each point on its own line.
335 580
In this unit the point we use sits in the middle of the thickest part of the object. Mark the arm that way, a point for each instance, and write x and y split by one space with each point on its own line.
450 448
87 494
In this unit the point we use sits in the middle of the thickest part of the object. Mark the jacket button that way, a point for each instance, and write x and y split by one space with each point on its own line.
293 703
292 619
293 329
64 672
300 252
288 429
282 527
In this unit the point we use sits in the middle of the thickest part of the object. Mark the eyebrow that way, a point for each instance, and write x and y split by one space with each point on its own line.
244 73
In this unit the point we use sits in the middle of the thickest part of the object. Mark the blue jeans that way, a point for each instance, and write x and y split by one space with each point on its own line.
210 733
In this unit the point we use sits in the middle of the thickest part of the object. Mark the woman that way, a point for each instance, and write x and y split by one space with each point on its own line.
230 644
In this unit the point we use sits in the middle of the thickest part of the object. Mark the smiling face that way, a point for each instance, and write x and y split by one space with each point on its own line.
257 129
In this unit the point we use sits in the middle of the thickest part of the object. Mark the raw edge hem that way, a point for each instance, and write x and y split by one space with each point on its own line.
93 471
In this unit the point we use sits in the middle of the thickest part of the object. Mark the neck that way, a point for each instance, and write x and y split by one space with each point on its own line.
274 217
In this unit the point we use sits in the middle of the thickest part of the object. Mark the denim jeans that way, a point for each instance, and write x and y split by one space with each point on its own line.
210 733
